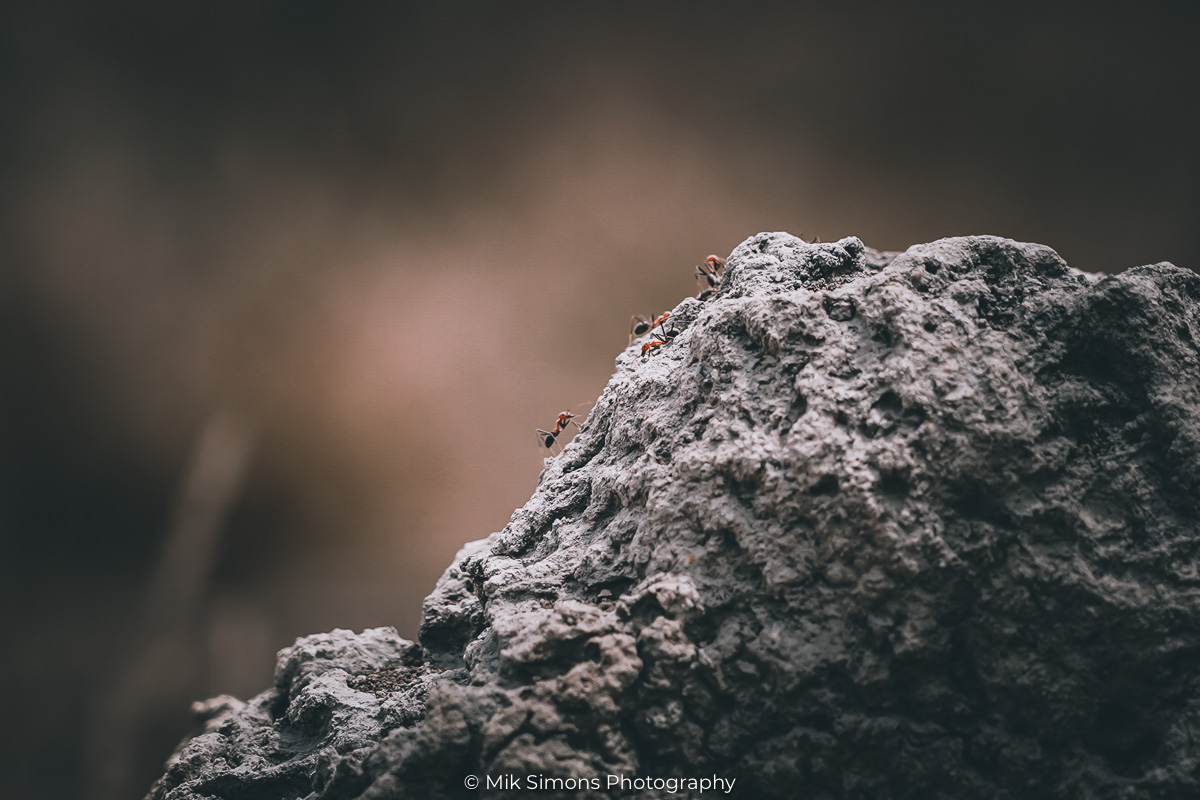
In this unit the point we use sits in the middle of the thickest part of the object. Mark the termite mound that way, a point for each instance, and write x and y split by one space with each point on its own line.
918 524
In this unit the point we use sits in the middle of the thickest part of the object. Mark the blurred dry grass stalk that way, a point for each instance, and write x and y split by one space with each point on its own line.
160 654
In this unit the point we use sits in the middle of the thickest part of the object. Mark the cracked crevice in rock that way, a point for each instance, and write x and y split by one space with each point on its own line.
872 525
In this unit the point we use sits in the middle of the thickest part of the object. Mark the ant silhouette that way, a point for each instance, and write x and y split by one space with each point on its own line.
638 325
548 438
709 275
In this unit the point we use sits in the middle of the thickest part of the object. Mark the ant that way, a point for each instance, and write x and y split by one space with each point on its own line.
663 336
548 438
709 275
639 325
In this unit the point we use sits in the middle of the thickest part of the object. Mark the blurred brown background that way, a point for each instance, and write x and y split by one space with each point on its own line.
286 287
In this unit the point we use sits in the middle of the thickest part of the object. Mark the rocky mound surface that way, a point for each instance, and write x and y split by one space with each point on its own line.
872 525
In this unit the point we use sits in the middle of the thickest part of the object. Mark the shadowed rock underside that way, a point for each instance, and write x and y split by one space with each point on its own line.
873 525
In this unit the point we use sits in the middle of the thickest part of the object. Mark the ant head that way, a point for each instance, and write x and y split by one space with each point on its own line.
715 263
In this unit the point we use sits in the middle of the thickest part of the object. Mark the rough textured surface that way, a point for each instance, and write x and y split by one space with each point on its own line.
873 525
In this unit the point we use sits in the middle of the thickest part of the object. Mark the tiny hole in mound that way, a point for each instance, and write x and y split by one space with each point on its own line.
889 402
799 408
840 309
930 326
827 486
932 266
893 484
592 652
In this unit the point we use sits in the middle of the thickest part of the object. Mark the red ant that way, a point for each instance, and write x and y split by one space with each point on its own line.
663 336
548 438
709 275
639 325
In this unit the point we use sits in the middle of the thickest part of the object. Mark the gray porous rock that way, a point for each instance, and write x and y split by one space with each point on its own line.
872 525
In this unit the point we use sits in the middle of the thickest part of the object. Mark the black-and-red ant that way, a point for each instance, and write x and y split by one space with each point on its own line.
639 325
661 336
709 275
548 438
